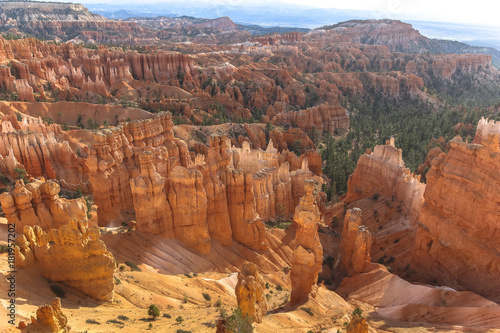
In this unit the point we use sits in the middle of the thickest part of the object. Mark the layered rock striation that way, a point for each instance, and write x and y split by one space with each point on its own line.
225 193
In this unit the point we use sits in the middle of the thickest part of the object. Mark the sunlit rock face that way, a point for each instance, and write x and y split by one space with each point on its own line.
250 292
72 254
458 231
308 254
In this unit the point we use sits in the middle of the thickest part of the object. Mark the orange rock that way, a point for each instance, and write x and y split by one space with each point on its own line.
72 254
357 325
245 222
38 204
188 200
250 292
314 161
322 117
458 224
152 210
355 245
308 254
383 173
49 318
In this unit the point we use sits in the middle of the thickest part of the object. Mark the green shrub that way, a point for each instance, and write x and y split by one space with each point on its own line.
114 321
179 319
308 310
237 322
279 287
357 312
207 297
218 303
122 317
133 266
4 248
166 315
92 321
153 311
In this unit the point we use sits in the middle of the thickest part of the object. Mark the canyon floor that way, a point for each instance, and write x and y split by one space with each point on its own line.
181 291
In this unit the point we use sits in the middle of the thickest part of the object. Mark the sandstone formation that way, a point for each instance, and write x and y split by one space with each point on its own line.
250 292
397 299
383 172
355 245
225 193
39 149
153 213
38 204
308 253
72 254
458 228
357 325
49 318
322 117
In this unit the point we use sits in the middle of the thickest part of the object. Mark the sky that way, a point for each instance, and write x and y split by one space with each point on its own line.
485 12
481 12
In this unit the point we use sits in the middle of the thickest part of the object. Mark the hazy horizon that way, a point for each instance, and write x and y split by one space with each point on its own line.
482 13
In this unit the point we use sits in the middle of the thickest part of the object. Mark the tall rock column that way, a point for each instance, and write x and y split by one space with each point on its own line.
246 224
152 210
355 245
250 292
188 200
308 254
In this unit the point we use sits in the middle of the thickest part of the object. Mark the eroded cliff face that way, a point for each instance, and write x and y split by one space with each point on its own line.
72 254
323 118
383 172
38 204
457 238
72 71
40 150
452 230
225 193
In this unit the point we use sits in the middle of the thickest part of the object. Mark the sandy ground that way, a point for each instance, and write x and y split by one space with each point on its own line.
176 279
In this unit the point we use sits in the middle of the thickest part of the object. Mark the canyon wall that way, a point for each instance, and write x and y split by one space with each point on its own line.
383 172
225 193
458 231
